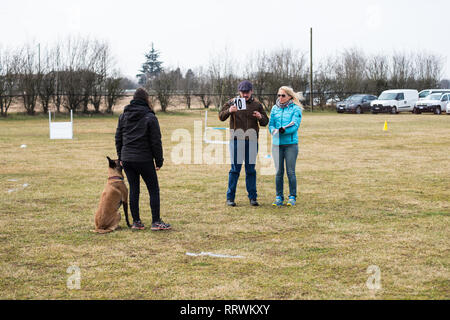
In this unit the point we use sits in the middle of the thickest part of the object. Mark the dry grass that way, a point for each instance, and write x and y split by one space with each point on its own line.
366 197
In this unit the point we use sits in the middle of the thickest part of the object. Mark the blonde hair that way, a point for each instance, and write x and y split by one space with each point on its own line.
290 92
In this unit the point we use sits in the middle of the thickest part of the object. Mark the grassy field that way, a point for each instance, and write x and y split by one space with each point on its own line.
366 197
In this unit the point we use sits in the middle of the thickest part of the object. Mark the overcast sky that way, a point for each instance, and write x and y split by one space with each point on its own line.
189 33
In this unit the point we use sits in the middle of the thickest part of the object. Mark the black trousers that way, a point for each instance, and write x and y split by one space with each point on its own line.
146 170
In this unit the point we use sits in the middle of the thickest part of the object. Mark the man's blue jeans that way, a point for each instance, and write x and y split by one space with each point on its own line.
281 154
240 149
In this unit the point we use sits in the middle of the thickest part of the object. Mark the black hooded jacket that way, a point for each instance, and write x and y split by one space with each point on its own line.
138 137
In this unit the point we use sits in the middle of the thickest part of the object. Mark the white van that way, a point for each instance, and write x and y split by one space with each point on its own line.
425 93
395 101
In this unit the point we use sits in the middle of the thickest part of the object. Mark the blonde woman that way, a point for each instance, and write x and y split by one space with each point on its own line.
285 119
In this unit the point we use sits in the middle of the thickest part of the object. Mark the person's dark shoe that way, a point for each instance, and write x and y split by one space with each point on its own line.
160 225
254 203
138 225
231 203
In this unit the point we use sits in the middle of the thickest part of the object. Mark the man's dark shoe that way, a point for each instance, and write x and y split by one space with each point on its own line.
160 225
254 203
138 225
231 203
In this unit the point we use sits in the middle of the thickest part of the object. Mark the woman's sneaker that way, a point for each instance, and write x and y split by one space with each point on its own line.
278 202
160 225
138 225
291 201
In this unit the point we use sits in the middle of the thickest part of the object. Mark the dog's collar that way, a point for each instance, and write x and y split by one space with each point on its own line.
115 177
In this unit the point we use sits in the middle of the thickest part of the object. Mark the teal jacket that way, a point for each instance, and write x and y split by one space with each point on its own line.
282 117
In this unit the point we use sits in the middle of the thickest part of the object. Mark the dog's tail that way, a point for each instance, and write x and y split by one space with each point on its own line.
125 210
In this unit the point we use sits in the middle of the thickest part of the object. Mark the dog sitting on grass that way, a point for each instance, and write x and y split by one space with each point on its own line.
107 216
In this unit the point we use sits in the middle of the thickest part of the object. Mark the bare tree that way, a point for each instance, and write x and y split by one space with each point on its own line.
29 78
349 71
72 75
377 73
114 91
204 88
223 80
402 71
47 90
47 83
164 85
94 74
270 71
324 82
189 84
56 66
428 70
8 79
97 91
257 69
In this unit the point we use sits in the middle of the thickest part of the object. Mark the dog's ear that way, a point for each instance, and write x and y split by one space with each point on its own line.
112 164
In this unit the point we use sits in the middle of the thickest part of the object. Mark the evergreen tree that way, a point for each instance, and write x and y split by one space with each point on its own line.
151 68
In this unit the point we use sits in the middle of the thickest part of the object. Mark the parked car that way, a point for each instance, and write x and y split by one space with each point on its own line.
395 101
435 102
357 103
331 102
425 93
448 104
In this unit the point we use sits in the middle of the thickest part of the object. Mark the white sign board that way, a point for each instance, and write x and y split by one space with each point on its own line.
240 103
61 130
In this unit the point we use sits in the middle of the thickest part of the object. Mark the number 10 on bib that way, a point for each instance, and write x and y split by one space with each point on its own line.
240 103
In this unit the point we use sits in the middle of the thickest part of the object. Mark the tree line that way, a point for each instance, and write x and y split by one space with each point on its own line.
337 76
79 73
73 74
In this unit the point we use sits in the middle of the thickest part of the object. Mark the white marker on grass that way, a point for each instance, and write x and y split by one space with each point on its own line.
25 185
214 255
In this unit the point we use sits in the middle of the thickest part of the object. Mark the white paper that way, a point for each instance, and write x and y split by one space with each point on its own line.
240 104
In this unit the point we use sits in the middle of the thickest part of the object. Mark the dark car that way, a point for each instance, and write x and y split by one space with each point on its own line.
357 103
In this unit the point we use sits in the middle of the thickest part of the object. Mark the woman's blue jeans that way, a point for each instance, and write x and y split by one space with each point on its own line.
285 154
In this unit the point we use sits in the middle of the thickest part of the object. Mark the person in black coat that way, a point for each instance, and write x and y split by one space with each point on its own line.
139 148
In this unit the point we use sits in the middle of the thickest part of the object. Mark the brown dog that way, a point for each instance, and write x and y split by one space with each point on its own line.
107 216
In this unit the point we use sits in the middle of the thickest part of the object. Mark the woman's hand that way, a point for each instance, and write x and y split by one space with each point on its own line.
157 168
